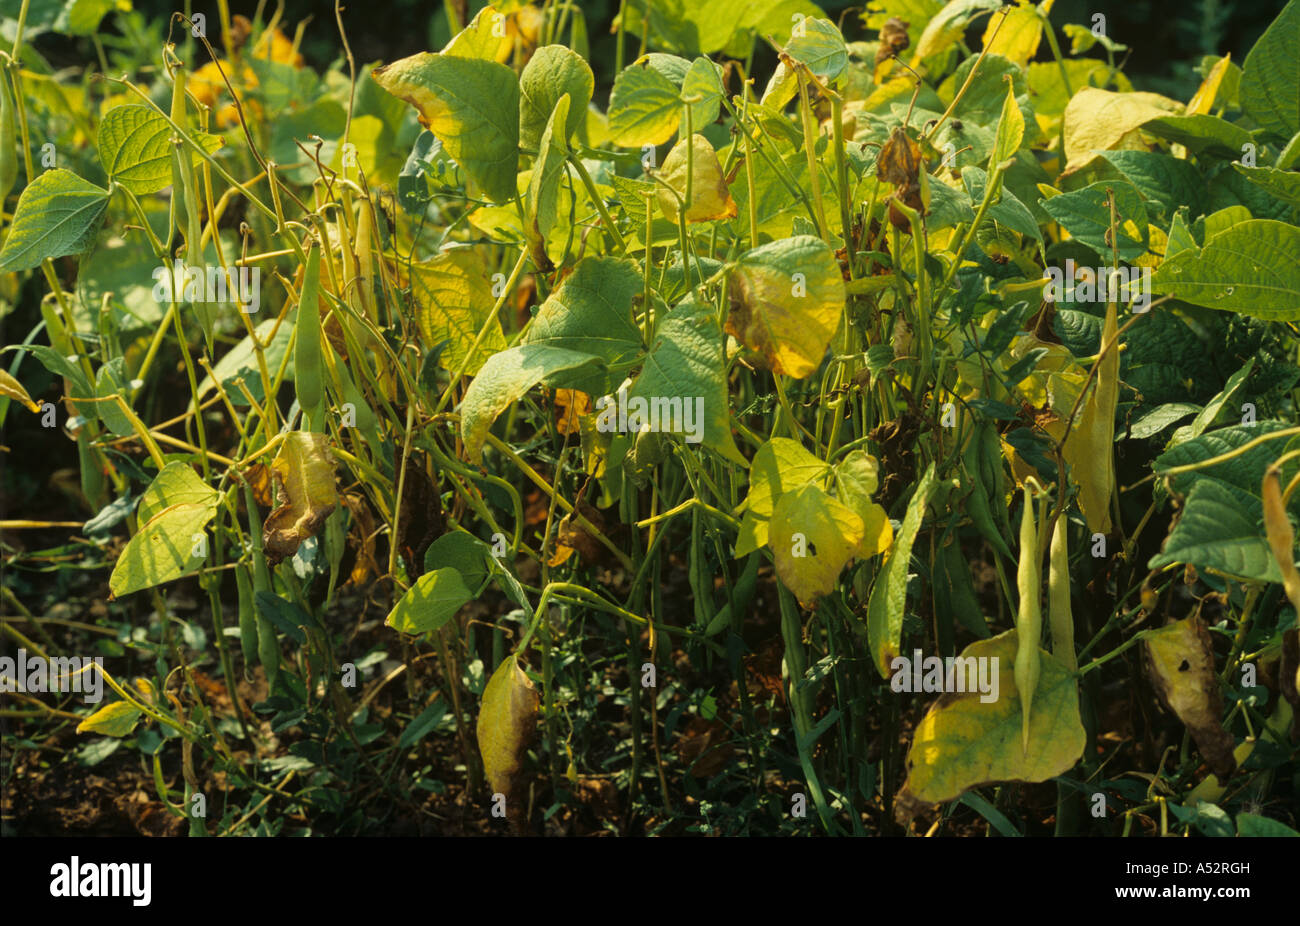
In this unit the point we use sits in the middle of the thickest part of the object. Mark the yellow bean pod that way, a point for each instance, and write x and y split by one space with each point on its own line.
1029 620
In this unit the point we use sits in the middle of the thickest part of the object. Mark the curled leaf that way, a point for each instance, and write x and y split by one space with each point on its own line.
305 493
12 389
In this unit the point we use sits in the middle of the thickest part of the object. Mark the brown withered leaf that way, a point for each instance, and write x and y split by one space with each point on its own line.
893 39
422 519
1180 662
361 537
258 477
900 164
305 493
570 406
571 537
705 747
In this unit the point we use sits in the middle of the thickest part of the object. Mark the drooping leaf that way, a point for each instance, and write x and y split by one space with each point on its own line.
1180 662
12 389
305 493
888 599
685 361
786 301
506 722
1011 128
432 601
813 537
472 106
708 186
58 214
453 301
506 377
135 147
1099 120
964 742
173 514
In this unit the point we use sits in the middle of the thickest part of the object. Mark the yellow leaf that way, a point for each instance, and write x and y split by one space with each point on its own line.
812 537
506 721
1203 100
1101 120
487 36
708 187
116 719
11 388
1014 33
305 493
965 741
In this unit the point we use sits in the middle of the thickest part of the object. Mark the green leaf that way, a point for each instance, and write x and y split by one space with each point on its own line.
812 537
453 302
505 378
1213 533
644 107
1157 419
135 147
463 552
1279 184
1247 268
1085 214
685 361
818 45
702 93
964 741
786 301
591 312
472 105
116 719
1167 181
1251 824
112 380
552 72
432 601
175 508
58 214
1201 133
1270 82
886 606
544 185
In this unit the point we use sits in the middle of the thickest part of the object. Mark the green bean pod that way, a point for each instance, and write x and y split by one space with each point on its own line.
247 619
8 140
308 381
